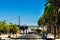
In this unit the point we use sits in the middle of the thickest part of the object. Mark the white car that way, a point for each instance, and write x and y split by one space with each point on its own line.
50 35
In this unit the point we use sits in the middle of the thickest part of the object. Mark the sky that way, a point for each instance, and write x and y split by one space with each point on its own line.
28 10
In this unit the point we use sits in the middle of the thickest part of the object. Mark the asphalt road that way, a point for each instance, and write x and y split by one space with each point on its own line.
29 37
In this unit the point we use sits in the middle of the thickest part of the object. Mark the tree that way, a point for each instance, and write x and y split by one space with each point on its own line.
51 14
1 28
15 29
5 26
11 28
6 29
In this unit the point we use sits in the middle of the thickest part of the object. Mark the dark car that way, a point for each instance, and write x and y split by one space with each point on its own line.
31 32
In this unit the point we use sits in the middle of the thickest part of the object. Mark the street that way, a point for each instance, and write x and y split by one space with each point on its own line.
29 37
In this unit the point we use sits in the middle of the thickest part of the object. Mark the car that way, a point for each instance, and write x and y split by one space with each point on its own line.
31 32
50 35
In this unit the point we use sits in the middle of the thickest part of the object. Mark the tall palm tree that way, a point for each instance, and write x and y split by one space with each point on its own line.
51 13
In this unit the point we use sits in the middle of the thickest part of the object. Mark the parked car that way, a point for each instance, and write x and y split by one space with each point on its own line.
31 32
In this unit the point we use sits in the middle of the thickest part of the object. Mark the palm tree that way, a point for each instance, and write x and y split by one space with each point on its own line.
51 13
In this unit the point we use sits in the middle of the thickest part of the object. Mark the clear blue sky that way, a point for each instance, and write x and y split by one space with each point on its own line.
28 10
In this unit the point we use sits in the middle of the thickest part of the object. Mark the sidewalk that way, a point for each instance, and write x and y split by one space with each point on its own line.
5 36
